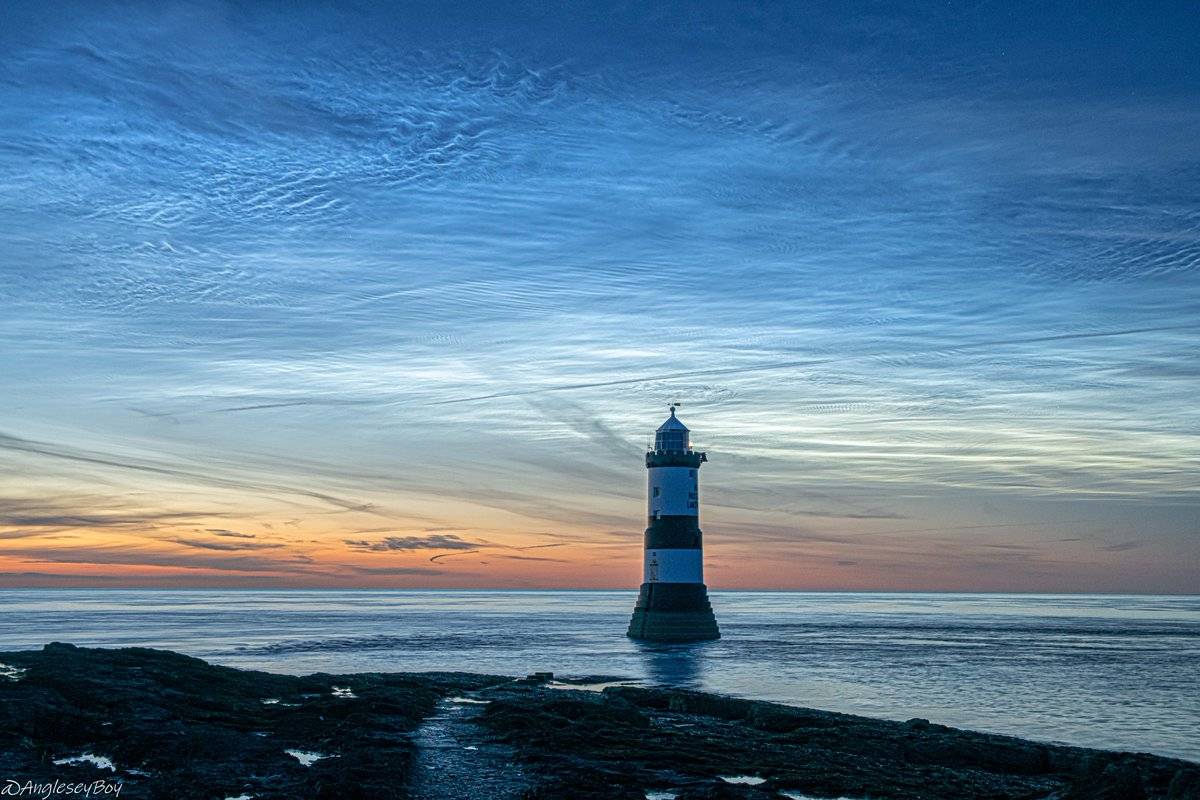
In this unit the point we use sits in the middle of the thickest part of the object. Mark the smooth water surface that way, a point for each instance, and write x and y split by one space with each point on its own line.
1101 671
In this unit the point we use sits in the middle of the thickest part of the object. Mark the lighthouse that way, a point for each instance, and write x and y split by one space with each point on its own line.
672 605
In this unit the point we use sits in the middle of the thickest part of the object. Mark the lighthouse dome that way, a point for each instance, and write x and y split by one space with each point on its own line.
672 435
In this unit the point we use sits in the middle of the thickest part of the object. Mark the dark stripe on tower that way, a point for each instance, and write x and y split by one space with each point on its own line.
673 533
673 597
673 612
674 458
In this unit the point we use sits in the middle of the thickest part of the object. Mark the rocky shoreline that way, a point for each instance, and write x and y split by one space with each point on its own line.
162 725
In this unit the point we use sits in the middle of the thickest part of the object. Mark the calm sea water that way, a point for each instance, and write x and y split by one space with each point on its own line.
1102 671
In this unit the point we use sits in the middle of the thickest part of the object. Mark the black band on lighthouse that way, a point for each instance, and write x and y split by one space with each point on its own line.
673 597
665 533
675 458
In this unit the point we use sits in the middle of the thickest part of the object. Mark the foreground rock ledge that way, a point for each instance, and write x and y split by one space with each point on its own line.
176 727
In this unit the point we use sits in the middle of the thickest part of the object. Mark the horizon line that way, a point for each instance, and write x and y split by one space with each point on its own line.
584 589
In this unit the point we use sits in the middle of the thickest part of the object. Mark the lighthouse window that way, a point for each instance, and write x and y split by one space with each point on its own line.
656 491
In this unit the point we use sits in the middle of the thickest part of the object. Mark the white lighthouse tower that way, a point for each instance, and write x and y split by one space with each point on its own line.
673 602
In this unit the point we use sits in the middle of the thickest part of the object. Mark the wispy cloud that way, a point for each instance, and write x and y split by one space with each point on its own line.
440 541
19 445
1121 547
205 544
23 534
230 534
125 556
941 348
534 558
58 513
395 571
443 556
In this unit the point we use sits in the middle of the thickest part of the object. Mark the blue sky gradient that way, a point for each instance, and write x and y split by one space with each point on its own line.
925 277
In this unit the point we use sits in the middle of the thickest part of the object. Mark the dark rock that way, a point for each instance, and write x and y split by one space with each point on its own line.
1185 785
177 727
697 738
559 790
726 791
1117 780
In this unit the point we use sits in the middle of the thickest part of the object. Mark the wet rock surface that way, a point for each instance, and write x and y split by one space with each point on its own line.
177 727
626 741
453 762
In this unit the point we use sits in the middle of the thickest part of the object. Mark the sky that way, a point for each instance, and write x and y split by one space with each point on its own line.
355 295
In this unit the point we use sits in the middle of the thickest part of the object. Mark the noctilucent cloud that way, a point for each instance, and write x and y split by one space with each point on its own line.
322 294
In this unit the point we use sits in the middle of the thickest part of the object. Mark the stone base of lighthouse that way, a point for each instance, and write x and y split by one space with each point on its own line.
673 612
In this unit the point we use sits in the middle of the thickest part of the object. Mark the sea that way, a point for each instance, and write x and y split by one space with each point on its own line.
1113 672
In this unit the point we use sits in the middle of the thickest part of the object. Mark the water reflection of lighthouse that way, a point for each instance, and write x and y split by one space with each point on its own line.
673 602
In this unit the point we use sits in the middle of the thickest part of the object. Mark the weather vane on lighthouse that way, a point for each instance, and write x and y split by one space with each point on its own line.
672 604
